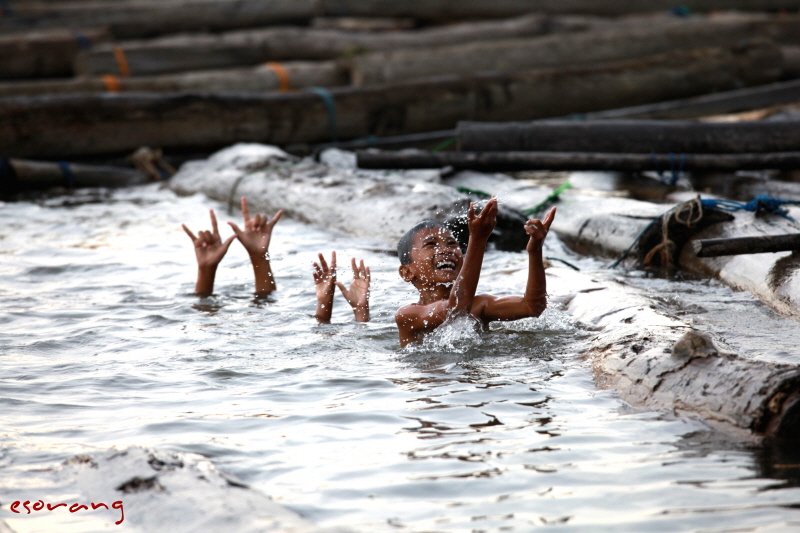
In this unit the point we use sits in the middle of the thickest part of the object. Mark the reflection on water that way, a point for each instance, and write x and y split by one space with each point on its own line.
103 345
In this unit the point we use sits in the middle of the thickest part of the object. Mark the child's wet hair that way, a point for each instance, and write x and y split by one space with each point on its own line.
405 243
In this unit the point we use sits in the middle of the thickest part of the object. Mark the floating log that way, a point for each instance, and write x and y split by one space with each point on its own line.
56 126
791 61
46 53
516 161
128 19
633 136
250 47
747 245
18 175
271 77
510 55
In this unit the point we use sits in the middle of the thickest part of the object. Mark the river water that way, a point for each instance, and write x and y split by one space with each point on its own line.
102 345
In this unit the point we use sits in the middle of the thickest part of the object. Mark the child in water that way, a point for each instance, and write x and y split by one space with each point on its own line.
431 259
209 250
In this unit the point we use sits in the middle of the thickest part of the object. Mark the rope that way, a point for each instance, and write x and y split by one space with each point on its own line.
761 205
282 75
445 144
675 170
533 210
573 267
330 106
151 162
122 62
233 191
83 41
112 83
69 177
666 247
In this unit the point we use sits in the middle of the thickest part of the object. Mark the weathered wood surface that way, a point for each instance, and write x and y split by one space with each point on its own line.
747 245
46 53
298 74
112 123
22 175
633 136
791 61
583 48
515 161
143 18
631 352
772 94
249 47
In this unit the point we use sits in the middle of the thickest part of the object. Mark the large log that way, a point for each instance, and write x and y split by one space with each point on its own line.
516 161
265 78
18 175
626 42
633 136
143 18
747 245
42 54
249 47
63 125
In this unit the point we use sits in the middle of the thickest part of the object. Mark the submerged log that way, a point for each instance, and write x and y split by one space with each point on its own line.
265 78
64 125
43 54
249 47
17 175
747 245
516 161
633 136
511 55
144 18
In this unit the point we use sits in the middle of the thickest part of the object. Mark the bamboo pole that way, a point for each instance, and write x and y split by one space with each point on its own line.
510 55
63 125
45 53
517 161
271 77
249 47
633 136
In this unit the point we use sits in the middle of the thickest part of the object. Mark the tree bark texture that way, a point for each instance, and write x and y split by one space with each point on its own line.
47 53
585 48
516 161
249 47
295 75
633 136
65 125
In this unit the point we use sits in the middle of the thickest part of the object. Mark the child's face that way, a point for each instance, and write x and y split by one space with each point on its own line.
435 257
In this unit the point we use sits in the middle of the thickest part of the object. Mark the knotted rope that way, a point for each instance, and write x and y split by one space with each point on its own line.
688 213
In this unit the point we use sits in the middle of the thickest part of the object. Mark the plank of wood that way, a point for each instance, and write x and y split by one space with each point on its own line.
747 245
112 123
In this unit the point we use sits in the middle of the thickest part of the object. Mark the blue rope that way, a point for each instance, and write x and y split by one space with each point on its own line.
761 205
681 11
68 175
330 106
675 170
83 41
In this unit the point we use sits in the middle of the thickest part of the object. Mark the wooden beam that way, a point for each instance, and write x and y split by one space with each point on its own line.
747 245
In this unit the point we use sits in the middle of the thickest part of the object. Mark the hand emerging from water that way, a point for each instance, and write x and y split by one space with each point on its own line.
325 286
482 225
208 246
358 293
257 232
538 230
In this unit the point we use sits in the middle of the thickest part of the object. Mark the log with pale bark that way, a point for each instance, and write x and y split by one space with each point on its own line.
293 75
633 136
518 161
583 48
64 125
249 47
45 53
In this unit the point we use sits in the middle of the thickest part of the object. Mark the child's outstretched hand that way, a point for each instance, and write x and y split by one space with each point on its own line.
325 285
208 246
358 293
482 225
257 232
538 229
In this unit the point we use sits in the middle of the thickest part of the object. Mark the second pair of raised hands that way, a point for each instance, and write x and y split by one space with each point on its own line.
325 283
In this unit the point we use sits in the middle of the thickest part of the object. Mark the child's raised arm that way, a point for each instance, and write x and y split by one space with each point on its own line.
325 286
209 251
534 302
255 238
358 293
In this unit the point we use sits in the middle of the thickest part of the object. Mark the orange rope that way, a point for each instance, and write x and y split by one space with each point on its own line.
122 62
283 76
113 85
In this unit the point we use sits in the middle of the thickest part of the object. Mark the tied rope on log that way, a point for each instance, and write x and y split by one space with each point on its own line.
151 162
688 214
